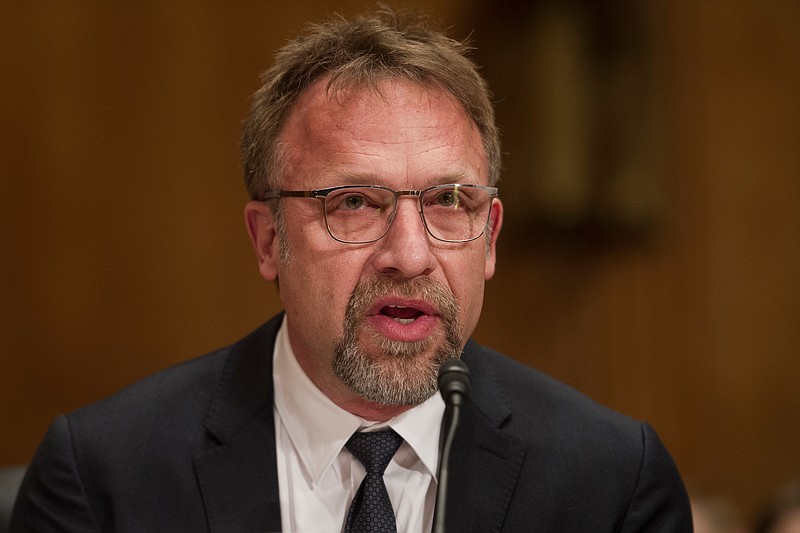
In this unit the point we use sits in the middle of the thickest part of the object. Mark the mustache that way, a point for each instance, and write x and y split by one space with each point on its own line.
427 289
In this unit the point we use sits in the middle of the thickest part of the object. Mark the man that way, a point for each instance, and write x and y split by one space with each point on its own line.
371 156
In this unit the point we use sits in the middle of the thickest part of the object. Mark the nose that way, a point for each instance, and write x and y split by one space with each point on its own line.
406 249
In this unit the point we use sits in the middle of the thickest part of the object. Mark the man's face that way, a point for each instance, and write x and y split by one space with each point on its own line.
370 323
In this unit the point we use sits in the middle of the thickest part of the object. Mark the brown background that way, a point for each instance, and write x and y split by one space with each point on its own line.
123 248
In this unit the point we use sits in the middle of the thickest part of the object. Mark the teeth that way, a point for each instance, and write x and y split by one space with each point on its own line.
400 310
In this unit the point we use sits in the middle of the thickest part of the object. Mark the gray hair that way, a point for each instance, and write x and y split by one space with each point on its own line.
362 52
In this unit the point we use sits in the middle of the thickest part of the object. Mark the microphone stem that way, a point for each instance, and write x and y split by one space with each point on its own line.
444 460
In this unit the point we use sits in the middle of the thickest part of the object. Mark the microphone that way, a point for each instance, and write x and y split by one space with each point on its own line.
454 383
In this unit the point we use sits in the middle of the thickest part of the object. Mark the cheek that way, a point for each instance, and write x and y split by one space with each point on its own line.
465 275
313 304
323 279
473 304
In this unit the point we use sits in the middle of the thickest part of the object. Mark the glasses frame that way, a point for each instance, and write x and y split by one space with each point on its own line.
322 195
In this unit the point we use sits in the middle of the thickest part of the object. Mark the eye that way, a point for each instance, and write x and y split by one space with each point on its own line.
356 200
446 198
353 202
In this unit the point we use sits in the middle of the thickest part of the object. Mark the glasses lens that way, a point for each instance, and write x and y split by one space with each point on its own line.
358 214
456 212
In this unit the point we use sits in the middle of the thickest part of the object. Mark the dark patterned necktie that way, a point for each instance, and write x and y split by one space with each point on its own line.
371 510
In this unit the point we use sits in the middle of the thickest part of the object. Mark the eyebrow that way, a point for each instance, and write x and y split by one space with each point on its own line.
371 179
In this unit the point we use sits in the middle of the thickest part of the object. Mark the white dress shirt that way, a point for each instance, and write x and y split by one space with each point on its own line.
317 475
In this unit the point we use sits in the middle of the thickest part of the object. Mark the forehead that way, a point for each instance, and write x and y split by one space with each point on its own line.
397 128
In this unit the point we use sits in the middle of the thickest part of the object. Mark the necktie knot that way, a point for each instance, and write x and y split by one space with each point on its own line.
374 449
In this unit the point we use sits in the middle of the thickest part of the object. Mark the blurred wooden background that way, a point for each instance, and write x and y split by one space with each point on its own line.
124 251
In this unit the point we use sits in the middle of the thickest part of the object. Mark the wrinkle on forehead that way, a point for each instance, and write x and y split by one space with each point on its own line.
374 103
353 123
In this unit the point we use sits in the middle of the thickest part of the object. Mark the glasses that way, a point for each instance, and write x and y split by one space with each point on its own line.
360 214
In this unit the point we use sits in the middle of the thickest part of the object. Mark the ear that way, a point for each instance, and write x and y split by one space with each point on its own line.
264 236
495 223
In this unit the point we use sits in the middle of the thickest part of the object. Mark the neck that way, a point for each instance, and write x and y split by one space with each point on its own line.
371 411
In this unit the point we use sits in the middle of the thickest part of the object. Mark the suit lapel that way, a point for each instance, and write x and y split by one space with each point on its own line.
238 476
485 462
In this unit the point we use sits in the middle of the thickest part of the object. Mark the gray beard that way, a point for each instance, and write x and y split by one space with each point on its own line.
401 374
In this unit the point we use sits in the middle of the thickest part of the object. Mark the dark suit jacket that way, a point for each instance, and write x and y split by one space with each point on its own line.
193 449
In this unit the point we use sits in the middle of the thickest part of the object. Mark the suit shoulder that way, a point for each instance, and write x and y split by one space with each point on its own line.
185 389
178 398
178 391
538 402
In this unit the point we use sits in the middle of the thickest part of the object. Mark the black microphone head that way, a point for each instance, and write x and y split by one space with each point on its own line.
454 380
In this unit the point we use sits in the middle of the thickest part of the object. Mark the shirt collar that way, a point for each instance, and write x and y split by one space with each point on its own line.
319 429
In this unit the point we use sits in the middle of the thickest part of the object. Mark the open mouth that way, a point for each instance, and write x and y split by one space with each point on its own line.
403 319
401 314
